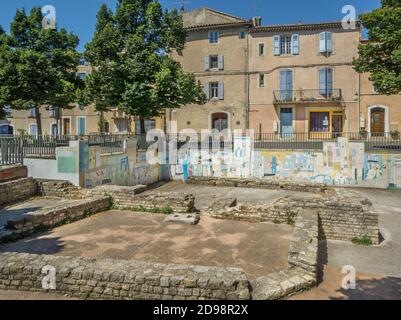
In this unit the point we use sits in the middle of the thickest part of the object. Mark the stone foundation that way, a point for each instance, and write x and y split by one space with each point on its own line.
343 215
17 190
47 218
118 279
132 198
59 189
258 184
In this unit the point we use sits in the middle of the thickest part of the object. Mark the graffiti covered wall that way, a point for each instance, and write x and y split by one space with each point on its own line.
341 163
125 169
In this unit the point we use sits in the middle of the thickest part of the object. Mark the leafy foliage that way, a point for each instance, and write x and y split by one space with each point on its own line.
37 66
381 56
132 66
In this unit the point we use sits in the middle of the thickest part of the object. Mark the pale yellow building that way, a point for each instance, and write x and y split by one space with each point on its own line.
216 52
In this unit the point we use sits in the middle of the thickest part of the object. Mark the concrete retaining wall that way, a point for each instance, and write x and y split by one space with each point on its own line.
118 279
17 190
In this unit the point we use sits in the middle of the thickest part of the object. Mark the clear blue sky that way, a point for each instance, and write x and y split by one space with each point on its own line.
79 16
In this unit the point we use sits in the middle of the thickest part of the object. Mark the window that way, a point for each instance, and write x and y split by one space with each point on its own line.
261 80
261 49
374 89
326 82
242 35
81 126
32 113
8 111
213 37
53 112
82 62
150 124
285 45
214 62
33 129
319 122
286 85
82 75
214 90
326 42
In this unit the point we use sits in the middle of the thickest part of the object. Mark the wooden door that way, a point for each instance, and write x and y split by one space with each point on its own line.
377 121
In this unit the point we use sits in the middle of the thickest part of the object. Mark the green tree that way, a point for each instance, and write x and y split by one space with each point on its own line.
381 55
37 65
133 70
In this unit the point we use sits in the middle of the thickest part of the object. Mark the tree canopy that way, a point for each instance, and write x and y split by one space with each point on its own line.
130 54
37 65
381 55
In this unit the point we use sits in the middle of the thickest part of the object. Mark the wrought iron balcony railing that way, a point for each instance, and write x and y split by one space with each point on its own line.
307 96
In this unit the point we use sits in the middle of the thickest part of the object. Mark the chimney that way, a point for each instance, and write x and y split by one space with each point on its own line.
257 21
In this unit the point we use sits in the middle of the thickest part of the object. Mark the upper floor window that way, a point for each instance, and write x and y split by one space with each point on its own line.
326 42
261 80
82 75
242 35
326 81
32 112
213 37
214 62
261 49
374 89
8 111
286 44
214 90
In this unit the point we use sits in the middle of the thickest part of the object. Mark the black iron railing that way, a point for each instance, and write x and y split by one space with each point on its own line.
307 96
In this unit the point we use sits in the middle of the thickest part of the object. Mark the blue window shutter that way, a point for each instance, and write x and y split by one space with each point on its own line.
322 42
329 81
276 46
221 90
206 64
295 43
221 62
322 81
210 37
283 81
207 90
289 80
329 42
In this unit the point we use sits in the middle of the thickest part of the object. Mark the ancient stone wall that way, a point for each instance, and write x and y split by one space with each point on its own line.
259 184
119 279
343 215
17 190
59 189
50 217
132 198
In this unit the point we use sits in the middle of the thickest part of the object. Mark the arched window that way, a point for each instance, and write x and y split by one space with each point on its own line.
220 121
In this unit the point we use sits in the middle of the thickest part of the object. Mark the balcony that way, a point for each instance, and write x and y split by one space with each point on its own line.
309 96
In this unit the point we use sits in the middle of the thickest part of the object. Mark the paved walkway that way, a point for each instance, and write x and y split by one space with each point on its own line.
378 268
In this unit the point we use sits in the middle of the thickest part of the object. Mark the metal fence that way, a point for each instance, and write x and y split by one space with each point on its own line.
314 140
14 148
11 151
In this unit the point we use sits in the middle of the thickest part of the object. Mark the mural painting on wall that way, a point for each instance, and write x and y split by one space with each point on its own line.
219 163
119 169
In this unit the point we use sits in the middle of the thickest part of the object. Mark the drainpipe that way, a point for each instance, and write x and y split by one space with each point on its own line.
247 81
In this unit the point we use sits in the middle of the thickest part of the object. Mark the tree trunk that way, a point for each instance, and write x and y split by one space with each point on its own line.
38 121
142 125
101 124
